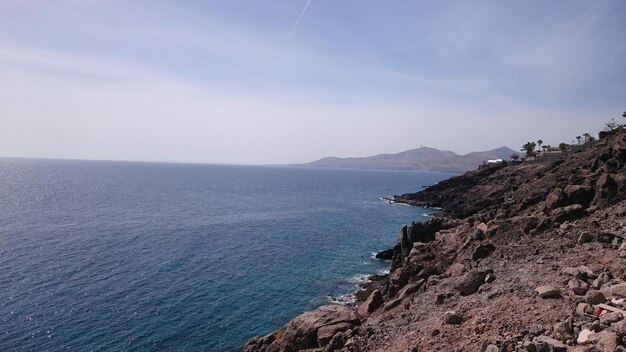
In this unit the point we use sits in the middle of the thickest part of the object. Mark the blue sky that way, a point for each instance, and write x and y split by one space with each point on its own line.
223 81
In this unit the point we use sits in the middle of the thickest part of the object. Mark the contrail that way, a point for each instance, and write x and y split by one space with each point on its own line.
298 20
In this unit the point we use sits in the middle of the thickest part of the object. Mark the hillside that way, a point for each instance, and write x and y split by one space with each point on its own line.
526 257
426 159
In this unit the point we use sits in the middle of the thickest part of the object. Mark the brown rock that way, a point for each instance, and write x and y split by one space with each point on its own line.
553 200
556 345
610 318
548 291
563 331
374 301
581 309
576 194
570 212
608 341
471 281
483 251
594 297
577 286
302 332
452 318
618 290
326 333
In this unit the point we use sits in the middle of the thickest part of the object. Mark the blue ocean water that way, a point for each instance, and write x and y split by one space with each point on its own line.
120 256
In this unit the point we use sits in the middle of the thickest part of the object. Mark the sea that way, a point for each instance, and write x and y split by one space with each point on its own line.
139 256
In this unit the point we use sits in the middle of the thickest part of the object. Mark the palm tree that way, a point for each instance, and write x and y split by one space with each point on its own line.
529 148
579 138
539 143
587 137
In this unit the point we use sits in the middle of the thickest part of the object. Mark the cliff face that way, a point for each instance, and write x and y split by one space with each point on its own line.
527 257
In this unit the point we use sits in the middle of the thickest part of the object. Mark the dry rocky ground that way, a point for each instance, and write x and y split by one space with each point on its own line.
527 257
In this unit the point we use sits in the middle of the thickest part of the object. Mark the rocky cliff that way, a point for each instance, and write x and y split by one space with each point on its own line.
527 257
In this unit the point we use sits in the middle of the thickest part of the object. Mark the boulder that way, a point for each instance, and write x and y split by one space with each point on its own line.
483 251
548 291
315 328
452 318
471 281
404 293
326 333
397 280
607 341
618 290
576 194
553 200
571 271
606 187
581 309
563 331
548 342
594 297
337 342
577 286
586 272
374 301
570 212
610 318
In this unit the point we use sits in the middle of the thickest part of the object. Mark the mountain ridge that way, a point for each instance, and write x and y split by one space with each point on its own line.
422 158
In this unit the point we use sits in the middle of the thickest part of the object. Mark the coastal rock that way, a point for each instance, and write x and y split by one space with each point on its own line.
311 329
385 255
404 293
397 280
374 301
471 281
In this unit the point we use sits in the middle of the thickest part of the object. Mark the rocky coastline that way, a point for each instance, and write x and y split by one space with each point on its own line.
526 257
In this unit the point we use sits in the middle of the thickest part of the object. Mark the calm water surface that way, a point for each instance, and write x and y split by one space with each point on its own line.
119 256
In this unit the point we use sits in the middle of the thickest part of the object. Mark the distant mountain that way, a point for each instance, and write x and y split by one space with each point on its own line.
426 159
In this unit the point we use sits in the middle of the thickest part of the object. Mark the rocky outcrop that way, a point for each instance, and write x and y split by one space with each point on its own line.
528 257
312 329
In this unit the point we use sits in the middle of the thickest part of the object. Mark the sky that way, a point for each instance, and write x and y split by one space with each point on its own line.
264 82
